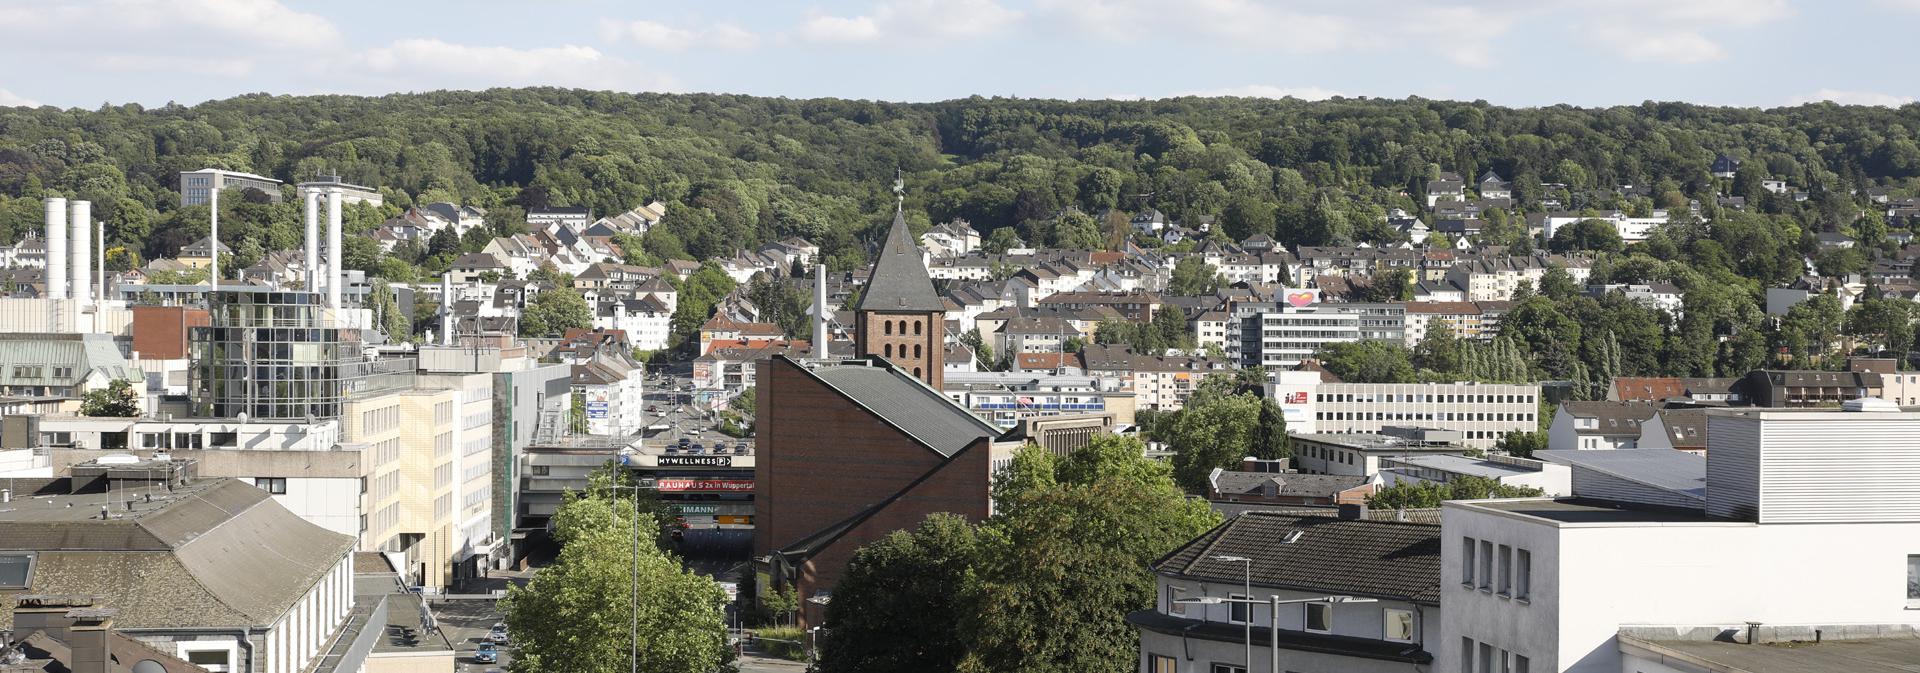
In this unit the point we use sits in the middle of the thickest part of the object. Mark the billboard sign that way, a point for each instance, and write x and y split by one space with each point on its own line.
733 485
696 461
596 410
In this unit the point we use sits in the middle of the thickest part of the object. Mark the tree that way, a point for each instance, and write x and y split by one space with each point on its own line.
1194 277
1558 285
118 399
879 619
1367 361
1429 494
1521 443
1595 235
1439 351
1213 431
1270 439
577 614
1885 324
1001 240
1389 286
1077 230
555 311
982 351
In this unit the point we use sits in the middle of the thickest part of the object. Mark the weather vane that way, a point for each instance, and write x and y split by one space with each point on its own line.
899 191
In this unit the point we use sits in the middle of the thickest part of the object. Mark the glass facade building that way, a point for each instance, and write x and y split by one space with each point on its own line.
272 355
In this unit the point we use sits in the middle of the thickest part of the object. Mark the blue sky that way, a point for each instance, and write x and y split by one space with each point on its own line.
1759 53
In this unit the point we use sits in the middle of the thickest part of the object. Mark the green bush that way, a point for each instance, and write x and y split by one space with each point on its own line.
785 642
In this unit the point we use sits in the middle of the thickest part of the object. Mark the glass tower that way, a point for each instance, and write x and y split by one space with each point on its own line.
271 354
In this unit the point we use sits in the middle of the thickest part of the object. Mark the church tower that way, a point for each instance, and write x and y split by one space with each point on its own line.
899 316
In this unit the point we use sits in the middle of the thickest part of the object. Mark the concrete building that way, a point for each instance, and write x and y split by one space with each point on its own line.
1006 398
1551 478
1158 382
209 571
1363 455
1480 412
1349 595
1798 531
197 187
1282 335
65 366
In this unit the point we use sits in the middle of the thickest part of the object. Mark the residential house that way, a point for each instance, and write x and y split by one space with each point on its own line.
953 239
1602 425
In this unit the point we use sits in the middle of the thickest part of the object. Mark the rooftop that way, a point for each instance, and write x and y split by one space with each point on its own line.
1667 469
1581 510
1460 464
1365 441
1858 656
906 403
1382 559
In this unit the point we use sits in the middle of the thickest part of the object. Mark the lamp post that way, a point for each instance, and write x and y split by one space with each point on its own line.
1248 562
1273 619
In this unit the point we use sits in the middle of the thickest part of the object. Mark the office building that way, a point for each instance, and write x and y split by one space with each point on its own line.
1796 529
349 193
1480 412
197 187
1282 335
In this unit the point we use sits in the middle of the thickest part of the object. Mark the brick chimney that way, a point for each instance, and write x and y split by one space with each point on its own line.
91 639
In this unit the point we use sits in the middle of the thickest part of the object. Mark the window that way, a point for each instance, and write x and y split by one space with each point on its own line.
1486 658
916 331
1319 618
1520 664
1486 565
1398 626
1238 612
208 659
16 570
1506 570
889 350
541 470
1523 574
1466 655
1162 664
274 485
1228 668
1466 562
1174 606
1913 580
887 325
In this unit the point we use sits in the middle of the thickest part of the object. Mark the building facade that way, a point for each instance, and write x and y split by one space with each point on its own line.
197 187
1480 412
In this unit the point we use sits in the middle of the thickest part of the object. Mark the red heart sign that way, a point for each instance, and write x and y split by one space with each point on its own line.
1299 299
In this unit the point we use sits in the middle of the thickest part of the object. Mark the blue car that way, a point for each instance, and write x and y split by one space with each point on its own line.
488 653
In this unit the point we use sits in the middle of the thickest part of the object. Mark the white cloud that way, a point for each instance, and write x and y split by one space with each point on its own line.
433 63
11 99
1242 23
220 37
912 20
839 30
1680 46
1854 98
1669 31
1267 91
656 35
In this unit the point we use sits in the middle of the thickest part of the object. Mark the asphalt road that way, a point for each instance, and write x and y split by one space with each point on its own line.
465 622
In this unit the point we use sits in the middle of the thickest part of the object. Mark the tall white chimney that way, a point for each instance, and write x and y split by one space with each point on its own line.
334 255
446 309
213 238
820 312
313 241
82 266
56 248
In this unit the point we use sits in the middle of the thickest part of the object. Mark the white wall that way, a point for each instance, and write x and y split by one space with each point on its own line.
330 503
1591 579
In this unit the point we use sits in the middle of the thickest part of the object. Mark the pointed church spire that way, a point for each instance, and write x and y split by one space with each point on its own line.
899 282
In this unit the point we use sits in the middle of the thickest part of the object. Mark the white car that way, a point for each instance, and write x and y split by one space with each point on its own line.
498 634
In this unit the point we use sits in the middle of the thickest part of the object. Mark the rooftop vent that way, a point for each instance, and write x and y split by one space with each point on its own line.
1869 404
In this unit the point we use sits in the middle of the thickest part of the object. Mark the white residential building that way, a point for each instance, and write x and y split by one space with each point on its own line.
1797 527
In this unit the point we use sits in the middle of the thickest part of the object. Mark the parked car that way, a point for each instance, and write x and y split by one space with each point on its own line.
498 634
487 653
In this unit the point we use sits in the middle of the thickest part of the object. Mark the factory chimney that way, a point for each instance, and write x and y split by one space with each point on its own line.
313 240
446 309
56 248
334 255
82 264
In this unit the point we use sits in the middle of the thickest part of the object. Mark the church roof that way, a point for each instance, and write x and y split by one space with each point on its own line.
899 282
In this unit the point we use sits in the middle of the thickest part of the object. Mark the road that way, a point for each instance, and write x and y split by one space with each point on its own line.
465 622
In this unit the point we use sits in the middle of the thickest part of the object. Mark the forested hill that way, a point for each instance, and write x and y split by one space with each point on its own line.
738 170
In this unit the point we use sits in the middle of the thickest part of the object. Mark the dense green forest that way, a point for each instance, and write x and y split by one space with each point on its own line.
736 171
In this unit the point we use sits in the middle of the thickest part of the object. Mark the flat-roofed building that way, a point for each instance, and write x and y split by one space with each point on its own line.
197 187
349 193
1480 412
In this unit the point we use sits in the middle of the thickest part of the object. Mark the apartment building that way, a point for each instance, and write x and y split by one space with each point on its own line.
1797 528
1480 412
1158 382
1281 335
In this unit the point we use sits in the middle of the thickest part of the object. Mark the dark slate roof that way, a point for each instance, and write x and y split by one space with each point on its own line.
899 281
1614 418
909 405
1310 485
1380 559
216 553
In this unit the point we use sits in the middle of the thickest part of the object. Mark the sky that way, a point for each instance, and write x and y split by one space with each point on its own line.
1753 53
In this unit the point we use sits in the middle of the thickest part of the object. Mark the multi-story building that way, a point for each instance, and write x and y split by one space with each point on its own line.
1158 382
1480 412
1363 454
575 218
1778 388
1327 594
1601 424
65 365
197 187
1006 398
1280 335
1648 568
1466 319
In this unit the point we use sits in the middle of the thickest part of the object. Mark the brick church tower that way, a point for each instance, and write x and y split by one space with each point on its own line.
899 317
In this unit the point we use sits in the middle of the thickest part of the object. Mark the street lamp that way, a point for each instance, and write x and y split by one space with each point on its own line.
1227 558
1273 619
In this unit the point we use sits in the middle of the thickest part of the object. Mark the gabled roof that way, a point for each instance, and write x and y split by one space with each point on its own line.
1227 482
1379 559
909 405
1615 418
899 281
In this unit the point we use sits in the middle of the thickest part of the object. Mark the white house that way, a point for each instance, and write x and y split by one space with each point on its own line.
1797 527
1602 424
1310 593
